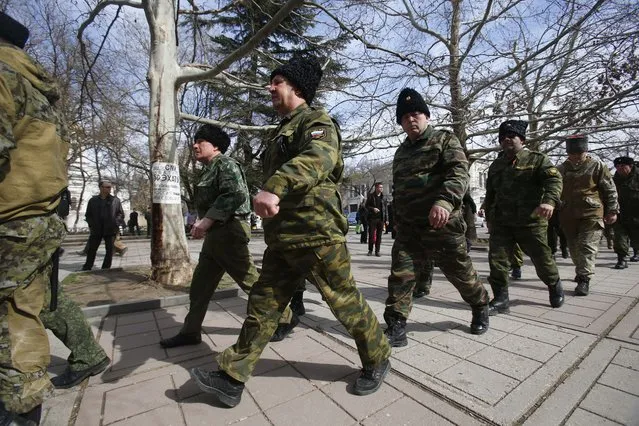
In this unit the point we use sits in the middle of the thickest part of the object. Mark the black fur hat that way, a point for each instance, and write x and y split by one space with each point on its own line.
410 101
13 31
214 135
628 161
304 72
517 127
576 144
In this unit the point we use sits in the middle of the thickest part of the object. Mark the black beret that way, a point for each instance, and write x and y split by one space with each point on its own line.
517 127
13 31
576 144
629 161
214 135
304 72
410 101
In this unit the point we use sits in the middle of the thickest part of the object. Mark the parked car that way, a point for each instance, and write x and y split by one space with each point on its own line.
352 218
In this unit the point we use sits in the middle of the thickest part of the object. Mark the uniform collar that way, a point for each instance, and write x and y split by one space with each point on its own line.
296 111
426 134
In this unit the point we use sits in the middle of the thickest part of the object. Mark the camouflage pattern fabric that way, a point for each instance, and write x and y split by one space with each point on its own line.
533 240
431 171
221 191
69 324
26 247
225 249
584 237
625 236
516 257
406 276
303 165
328 268
515 188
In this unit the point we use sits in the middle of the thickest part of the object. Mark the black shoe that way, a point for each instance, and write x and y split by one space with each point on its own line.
556 294
564 253
371 378
622 263
635 258
181 340
396 333
69 378
7 418
227 389
583 287
370 253
297 303
500 303
377 254
516 274
479 323
284 330
421 292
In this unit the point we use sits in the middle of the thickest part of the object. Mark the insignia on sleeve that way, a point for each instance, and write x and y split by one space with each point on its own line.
553 171
318 134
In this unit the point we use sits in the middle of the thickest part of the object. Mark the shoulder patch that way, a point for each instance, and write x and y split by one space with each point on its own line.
553 172
318 134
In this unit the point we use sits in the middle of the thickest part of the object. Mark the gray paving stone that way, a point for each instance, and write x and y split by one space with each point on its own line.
128 401
290 385
582 417
559 317
137 340
504 362
427 359
620 378
405 412
57 410
135 328
627 358
550 335
527 347
203 408
479 382
326 368
313 407
456 345
169 415
135 318
612 404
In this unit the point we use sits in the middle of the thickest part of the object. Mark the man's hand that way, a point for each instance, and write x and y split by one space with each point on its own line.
610 218
200 227
438 217
375 210
544 210
266 204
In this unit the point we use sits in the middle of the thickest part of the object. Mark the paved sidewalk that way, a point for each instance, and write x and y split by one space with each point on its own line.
540 366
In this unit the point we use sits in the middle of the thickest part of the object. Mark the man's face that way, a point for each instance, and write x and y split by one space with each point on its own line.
511 143
204 150
105 189
623 169
379 189
283 94
414 124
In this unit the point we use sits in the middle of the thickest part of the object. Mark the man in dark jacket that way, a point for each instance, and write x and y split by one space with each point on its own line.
362 213
626 179
377 215
103 215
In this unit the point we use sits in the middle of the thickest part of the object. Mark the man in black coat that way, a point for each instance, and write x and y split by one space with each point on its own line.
377 215
103 215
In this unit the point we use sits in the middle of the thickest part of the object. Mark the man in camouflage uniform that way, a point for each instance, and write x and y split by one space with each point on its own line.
626 179
430 174
522 190
223 206
423 276
588 201
304 229
33 150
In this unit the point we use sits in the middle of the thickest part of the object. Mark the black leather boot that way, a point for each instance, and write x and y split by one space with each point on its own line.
515 274
371 378
583 286
635 256
69 378
297 303
622 263
227 389
479 324
283 330
396 333
500 303
556 294
181 340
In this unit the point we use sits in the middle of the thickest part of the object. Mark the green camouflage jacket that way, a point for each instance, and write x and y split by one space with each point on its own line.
515 188
589 191
303 165
221 191
33 143
433 170
628 191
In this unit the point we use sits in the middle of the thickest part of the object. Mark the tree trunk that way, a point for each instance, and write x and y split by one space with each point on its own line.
170 260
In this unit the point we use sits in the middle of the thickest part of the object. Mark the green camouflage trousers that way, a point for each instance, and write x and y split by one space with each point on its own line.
329 269
583 236
626 236
533 240
446 248
516 257
225 249
26 247
69 325
406 276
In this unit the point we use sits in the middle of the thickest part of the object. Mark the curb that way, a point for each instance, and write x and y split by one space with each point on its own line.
146 305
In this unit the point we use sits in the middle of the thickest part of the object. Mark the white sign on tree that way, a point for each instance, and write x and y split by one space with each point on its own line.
166 183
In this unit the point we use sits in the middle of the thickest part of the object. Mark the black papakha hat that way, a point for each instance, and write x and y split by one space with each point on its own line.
13 31
410 101
304 72
214 135
628 161
576 144
517 127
